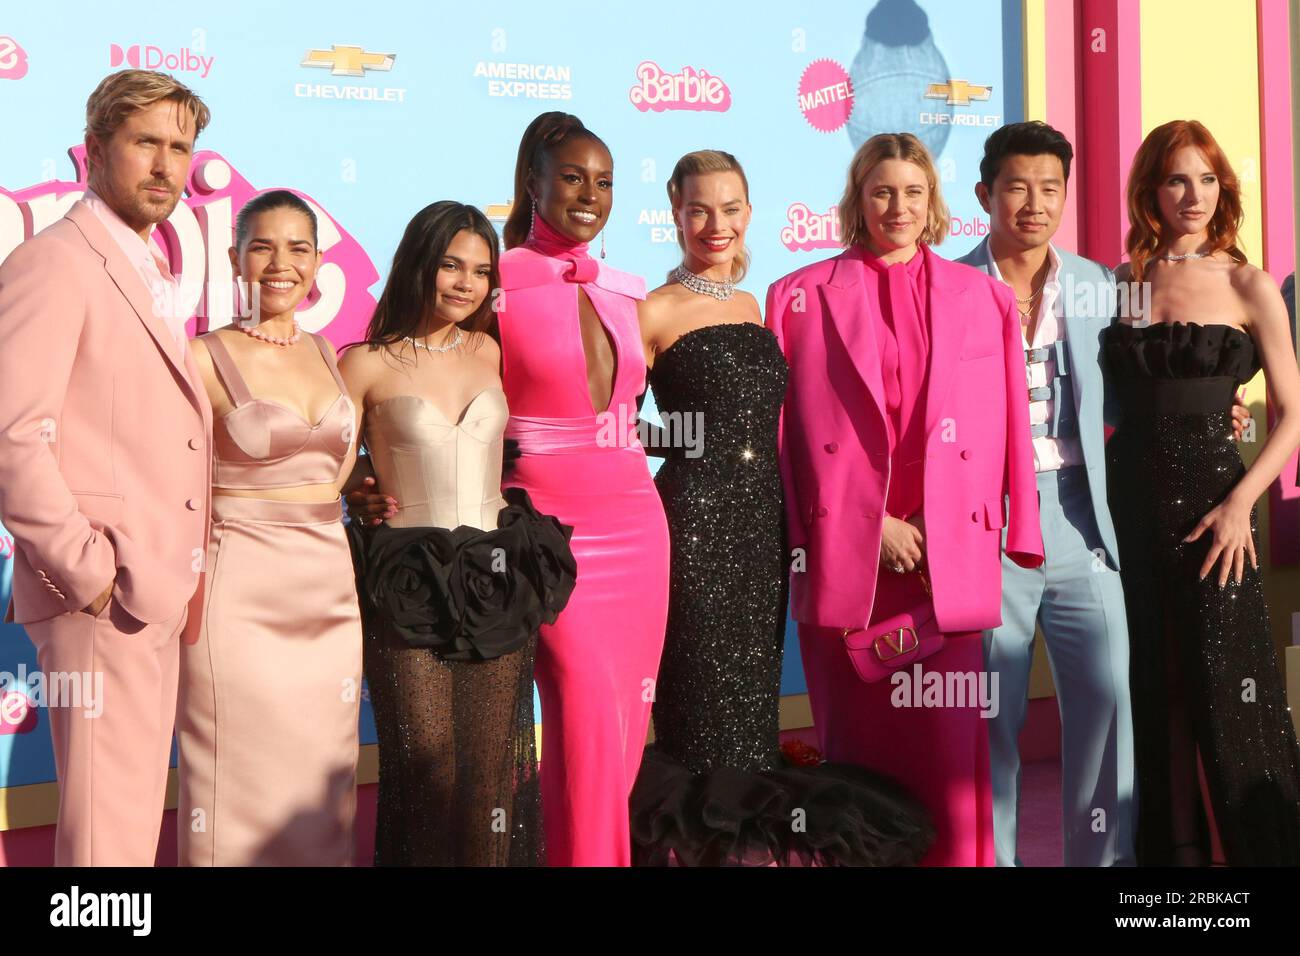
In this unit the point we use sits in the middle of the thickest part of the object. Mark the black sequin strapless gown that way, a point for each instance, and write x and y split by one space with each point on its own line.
714 789
1195 645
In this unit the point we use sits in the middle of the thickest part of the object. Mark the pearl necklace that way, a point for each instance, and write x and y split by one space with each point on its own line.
722 291
455 343
253 332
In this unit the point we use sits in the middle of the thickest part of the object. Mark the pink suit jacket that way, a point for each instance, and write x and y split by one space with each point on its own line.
835 455
105 457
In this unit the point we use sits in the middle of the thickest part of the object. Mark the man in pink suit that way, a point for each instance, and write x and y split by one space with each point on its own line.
904 452
105 465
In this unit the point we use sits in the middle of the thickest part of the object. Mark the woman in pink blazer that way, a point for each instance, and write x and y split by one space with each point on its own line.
906 458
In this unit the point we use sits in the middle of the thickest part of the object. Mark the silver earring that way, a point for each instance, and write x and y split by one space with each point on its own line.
602 244
532 219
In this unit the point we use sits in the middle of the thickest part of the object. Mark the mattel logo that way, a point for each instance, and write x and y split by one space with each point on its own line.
153 58
687 90
13 59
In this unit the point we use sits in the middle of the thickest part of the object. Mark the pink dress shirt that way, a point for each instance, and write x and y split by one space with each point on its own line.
164 288
903 337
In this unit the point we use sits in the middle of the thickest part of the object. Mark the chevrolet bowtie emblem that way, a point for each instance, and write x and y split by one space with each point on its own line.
349 60
957 92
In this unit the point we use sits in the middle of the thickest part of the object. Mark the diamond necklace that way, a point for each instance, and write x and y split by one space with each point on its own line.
722 291
455 343
1187 255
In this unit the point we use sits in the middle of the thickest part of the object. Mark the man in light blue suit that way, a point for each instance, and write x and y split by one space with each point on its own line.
1065 303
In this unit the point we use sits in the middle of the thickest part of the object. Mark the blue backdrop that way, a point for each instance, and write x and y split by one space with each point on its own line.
373 111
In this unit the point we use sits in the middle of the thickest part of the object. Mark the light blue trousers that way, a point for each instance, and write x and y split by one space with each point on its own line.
1077 599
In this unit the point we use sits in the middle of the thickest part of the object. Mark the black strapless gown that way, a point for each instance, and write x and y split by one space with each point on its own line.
1192 643
715 789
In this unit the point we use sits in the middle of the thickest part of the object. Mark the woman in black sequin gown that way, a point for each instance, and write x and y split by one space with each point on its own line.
1203 665
715 789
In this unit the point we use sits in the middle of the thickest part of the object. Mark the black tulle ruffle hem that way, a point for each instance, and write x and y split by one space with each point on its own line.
825 815
465 593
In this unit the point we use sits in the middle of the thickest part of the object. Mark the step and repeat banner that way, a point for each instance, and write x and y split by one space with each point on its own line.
372 111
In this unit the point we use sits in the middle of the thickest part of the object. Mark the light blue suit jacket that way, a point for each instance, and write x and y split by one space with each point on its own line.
1088 302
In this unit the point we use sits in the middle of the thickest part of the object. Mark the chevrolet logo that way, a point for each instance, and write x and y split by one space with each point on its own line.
349 60
957 92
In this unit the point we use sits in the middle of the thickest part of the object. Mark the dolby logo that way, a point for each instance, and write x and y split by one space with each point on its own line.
149 57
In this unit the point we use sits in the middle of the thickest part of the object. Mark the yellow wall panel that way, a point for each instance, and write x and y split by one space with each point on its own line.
1200 60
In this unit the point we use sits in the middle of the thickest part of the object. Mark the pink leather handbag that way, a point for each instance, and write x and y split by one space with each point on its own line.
898 641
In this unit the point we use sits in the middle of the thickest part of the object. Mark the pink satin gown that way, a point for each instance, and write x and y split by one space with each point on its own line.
266 724
596 666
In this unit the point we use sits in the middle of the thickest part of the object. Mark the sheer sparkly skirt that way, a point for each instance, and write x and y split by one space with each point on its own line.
458 779
1201 656
458 782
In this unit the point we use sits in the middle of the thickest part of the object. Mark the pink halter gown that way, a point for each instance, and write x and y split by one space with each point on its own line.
596 666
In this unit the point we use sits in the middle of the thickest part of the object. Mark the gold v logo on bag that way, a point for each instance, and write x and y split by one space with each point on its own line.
893 643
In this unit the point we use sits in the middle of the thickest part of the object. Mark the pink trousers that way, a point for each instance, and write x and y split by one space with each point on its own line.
111 731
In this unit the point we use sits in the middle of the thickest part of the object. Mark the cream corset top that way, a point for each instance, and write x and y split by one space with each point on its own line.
443 473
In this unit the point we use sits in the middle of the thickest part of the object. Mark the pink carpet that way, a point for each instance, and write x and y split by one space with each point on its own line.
1040 805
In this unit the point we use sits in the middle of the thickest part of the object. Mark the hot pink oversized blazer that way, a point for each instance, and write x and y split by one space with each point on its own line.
834 447
105 461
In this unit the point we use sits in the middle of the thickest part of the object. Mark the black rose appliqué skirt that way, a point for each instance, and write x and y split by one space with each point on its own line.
465 593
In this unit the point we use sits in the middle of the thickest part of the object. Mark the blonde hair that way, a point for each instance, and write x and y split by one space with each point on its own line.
699 163
128 91
883 146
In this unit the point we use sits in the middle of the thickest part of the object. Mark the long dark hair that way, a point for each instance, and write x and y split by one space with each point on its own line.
540 139
408 295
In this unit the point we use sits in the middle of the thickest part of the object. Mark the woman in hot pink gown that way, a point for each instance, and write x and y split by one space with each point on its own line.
572 367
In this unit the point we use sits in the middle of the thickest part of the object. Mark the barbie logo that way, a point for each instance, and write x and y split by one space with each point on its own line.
17 713
687 90
13 59
811 230
195 238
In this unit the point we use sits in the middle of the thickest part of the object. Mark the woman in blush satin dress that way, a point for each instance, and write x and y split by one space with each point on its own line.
450 634
572 367
905 452
1184 508
270 684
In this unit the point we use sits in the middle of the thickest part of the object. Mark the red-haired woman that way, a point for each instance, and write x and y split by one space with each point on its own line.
1202 653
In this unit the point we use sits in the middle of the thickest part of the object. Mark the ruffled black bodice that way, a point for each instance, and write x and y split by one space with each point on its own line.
1179 368
1179 350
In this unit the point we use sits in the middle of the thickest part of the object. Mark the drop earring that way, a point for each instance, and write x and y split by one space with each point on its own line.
602 244
532 220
